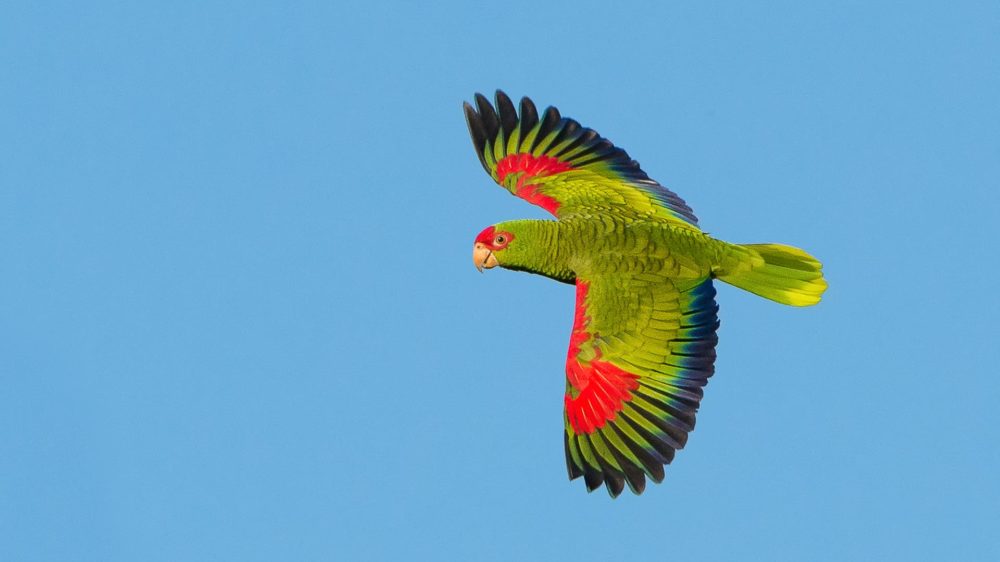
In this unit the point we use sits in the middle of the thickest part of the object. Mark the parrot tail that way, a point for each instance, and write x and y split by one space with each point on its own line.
781 273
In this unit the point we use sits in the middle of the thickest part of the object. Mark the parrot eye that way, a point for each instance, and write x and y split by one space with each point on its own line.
500 240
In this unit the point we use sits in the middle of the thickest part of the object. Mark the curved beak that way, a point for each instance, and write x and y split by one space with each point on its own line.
483 258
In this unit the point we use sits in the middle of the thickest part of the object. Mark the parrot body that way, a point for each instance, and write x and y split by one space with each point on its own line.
643 341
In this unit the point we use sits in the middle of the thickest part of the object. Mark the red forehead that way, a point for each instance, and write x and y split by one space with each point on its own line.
486 236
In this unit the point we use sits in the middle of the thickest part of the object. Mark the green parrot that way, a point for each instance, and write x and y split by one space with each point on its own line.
643 341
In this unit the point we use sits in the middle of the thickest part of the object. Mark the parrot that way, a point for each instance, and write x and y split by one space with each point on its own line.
642 344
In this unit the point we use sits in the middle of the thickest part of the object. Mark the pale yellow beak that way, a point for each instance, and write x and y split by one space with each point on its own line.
483 257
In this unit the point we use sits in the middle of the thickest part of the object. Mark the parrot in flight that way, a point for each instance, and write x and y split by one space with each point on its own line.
642 346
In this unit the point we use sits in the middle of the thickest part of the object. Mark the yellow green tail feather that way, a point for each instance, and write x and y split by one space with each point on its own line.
782 273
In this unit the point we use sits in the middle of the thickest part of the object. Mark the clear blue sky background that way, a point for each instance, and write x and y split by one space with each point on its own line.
238 318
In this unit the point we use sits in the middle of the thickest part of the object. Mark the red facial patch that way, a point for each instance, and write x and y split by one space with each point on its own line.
602 388
486 236
529 167
490 238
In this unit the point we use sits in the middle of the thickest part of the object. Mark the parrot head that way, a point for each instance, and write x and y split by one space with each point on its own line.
522 245
490 247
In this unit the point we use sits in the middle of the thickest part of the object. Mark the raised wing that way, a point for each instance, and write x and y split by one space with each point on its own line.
642 349
563 167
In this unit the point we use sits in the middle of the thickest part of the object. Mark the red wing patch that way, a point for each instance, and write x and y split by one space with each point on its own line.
601 388
530 167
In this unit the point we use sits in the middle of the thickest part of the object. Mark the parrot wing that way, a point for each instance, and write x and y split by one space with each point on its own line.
642 349
563 167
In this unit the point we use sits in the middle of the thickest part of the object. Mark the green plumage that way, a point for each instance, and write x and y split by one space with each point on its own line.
586 246
644 335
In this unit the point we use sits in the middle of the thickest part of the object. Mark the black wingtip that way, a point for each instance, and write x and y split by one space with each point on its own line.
633 474
550 120
615 484
508 115
614 479
573 470
476 131
592 477
488 116
529 116
652 462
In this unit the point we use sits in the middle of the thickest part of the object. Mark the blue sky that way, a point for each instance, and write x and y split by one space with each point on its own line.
238 319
